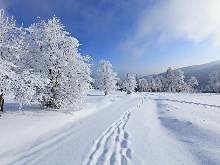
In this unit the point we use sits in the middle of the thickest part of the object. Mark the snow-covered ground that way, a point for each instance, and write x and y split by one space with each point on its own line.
142 128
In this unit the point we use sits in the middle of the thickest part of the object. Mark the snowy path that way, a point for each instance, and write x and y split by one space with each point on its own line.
136 129
71 143
138 138
112 147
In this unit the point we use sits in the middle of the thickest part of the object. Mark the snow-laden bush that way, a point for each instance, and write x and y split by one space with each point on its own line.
106 78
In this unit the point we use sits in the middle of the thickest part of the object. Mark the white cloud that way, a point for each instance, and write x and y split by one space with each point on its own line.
192 20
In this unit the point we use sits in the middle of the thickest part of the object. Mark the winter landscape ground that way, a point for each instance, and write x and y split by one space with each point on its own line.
140 128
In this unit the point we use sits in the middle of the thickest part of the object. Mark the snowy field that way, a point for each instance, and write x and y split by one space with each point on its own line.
136 129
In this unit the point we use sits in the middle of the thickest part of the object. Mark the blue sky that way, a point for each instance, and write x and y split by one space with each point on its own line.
142 36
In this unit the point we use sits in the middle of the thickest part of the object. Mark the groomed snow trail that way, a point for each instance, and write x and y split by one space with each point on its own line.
138 138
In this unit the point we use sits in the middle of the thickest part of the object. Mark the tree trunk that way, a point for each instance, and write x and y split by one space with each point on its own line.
1 103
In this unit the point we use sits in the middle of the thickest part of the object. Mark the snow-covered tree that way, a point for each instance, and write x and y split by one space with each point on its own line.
7 25
130 83
106 78
175 80
214 81
164 84
142 85
192 84
151 84
54 54
12 49
158 84
42 62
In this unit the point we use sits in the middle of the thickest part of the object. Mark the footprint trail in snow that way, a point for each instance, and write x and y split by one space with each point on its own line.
113 146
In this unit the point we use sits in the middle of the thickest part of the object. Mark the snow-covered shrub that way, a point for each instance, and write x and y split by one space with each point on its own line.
106 78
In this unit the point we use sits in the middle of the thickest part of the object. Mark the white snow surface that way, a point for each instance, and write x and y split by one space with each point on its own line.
136 129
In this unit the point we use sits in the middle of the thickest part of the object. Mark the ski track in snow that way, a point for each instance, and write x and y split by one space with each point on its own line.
202 142
189 102
113 146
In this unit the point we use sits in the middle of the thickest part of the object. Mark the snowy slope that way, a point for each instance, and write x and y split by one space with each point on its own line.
142 128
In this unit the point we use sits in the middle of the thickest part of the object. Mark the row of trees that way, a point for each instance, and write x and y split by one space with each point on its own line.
170 81
42 63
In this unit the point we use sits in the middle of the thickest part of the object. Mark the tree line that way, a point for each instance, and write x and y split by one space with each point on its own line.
170 81
173 80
